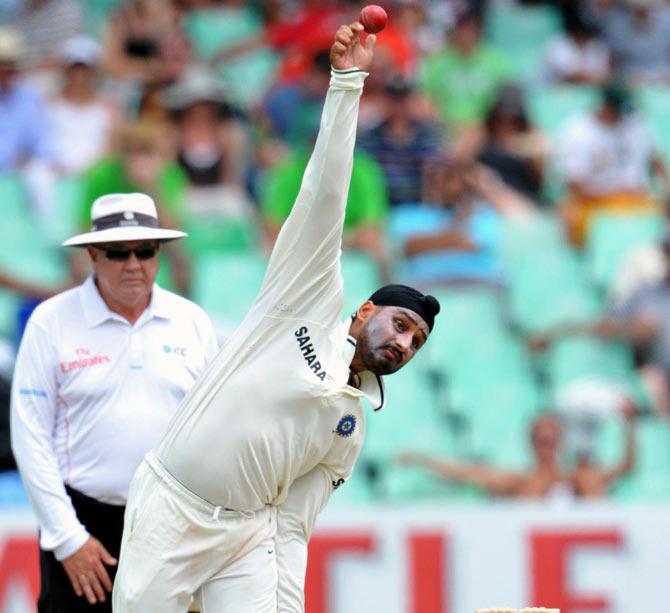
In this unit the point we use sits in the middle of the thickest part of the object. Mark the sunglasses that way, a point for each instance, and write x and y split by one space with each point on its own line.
121 255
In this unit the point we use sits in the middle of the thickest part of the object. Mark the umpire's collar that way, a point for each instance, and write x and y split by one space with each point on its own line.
97 312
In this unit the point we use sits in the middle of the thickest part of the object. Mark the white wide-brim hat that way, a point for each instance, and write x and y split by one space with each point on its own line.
123 217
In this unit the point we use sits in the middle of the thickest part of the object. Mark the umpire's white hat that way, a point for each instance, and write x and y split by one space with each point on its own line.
123 217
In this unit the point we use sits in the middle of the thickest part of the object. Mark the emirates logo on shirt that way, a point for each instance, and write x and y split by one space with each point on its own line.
84 360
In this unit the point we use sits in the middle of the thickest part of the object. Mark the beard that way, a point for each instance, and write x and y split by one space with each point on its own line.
376 358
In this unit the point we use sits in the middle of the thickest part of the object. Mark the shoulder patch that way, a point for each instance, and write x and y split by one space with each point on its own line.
346 426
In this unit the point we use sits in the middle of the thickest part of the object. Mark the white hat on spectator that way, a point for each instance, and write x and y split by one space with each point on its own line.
80 50
197 84
123 217
12 46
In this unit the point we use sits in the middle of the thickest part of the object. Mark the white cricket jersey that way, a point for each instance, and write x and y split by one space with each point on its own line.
275 403
91 394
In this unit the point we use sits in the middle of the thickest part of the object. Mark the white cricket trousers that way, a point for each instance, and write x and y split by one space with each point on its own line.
176 546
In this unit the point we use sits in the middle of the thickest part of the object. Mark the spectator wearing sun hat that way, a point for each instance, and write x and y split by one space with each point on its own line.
100 371
82 120
23 122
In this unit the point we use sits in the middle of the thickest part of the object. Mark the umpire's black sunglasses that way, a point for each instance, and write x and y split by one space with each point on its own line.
121 255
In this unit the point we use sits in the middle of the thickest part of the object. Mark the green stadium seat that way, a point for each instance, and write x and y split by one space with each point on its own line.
361 278
211 234
611 240
547 286
247 77
226 284
522 33
9 305
410 421
550 107
26 250
97 15
654 102
65 223
650 479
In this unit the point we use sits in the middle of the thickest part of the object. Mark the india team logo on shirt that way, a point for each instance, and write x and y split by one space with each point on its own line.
346 426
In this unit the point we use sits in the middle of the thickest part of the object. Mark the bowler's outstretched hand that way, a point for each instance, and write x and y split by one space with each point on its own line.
348 51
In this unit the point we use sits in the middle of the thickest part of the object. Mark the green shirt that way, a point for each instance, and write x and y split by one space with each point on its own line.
464 86
368 199
109 177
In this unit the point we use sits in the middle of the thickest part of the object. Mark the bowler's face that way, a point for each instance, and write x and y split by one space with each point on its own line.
390 339
127 282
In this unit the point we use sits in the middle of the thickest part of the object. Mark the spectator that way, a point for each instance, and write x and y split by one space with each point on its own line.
549 478
605 157
143 164
211 142
638 36
47 24
578 55
402 144
294 107
298 34
456 239
641 319
512 147
463 80
367 205
100 371
644 267
82 120
23 122
213 152
145 42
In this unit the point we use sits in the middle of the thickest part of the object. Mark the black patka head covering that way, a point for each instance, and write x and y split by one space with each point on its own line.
407 297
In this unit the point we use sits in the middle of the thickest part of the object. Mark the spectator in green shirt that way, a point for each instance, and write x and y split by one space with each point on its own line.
463 80
367 206
143 164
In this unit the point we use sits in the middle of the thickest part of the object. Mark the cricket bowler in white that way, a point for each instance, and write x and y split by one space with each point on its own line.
224 506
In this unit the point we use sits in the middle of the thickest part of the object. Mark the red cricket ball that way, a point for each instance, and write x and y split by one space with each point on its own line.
373 18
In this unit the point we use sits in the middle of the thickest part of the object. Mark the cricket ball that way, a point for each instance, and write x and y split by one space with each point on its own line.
373 18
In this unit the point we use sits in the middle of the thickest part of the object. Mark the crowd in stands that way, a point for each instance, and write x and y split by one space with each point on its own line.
511 158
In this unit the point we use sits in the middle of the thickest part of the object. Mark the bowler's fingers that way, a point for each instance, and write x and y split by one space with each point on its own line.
338 48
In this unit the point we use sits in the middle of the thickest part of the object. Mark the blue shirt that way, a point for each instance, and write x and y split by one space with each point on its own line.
483 228
23 126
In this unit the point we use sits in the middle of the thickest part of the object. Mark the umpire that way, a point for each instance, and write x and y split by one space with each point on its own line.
100 371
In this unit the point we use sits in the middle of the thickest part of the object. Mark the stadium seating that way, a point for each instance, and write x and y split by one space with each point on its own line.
650 479
611 240
654 102
522 33
547 286
247 77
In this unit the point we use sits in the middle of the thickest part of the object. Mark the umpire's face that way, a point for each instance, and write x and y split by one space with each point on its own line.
125 272
390 337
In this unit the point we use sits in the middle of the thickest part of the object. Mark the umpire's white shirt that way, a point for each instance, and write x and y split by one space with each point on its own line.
92 393
273 420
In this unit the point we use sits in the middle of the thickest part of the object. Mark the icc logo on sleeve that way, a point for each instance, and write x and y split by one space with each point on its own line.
346 426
